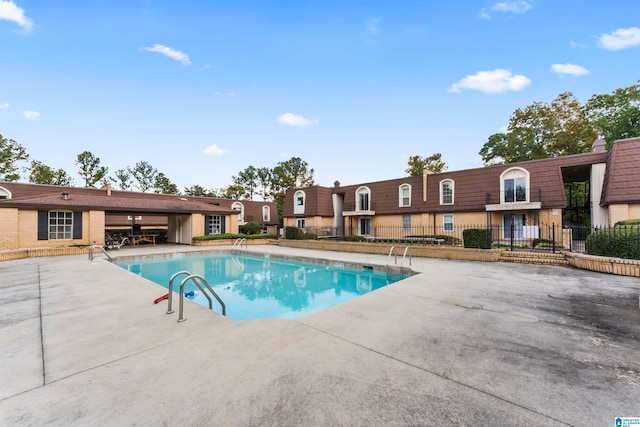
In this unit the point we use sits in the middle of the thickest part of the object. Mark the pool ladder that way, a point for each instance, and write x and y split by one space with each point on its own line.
201 284
91 249
238 243
392 251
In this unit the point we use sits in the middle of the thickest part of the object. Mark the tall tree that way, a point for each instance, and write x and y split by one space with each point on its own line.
196 190
264 177
90 169
234 192
291 173
144 176
541 131
122 179
163 185
616 115
247 179
433 162
11 154
39 173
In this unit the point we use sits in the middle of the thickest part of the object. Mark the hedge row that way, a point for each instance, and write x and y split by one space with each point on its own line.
616 242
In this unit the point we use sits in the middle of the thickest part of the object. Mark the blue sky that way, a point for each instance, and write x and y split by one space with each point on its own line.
203 89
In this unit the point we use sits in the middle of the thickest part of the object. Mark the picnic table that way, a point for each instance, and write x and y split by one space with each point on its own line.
136 239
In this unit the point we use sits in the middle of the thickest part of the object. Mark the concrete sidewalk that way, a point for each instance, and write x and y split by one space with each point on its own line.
462 343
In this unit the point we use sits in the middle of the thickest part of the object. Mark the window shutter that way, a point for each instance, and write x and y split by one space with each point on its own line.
223 220
43 225
207 225
77 225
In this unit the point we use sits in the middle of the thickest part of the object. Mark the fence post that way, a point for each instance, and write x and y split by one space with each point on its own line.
553 238
513 231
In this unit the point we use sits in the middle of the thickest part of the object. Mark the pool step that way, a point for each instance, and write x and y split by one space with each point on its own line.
538 258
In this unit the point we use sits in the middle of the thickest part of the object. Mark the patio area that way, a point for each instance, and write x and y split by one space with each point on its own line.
462 343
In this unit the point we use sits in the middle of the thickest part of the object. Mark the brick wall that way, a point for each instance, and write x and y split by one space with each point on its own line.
8 228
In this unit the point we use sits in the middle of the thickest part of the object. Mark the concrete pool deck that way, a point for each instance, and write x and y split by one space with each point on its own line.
462 343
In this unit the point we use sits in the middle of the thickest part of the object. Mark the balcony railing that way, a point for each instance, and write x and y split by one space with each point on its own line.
515 196
356 207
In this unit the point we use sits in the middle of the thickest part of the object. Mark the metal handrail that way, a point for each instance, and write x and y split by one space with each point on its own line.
92 247
238 243
392 250
204 287
406 250
170 294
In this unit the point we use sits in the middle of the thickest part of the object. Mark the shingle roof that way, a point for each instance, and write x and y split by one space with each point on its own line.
50 196
472 185
622 179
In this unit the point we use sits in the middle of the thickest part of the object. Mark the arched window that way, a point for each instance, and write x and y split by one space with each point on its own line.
239 207
4 193
266 214
404 194
298 202
514 186
446 191
363 199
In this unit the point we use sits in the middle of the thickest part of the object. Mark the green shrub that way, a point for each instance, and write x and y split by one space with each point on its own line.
617 242
477 238
293 233
448 240
250 228
229 236
311 236
352 238
635 222
541 243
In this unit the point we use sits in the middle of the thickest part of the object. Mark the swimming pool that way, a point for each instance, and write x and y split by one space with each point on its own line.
257 286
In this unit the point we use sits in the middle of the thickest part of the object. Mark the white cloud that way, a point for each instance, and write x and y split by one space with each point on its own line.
171 53
571 69
372 26
517 7
5 105
215 150
622 38
294 120
12 12
575 44
496 81
31 114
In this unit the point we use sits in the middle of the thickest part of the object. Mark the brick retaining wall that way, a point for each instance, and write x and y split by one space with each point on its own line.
618 266
12 254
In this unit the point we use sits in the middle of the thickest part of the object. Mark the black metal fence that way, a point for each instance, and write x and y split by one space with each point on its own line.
621 240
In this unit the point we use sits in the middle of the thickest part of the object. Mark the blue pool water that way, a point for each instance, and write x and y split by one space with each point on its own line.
263 286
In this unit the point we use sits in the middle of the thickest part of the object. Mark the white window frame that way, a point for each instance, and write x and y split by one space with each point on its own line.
266 213
299 200
301 223
406 222
448 226
4 193
60 225
443 183
404 200
364 224
360 192
235 207
215 224
514 174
